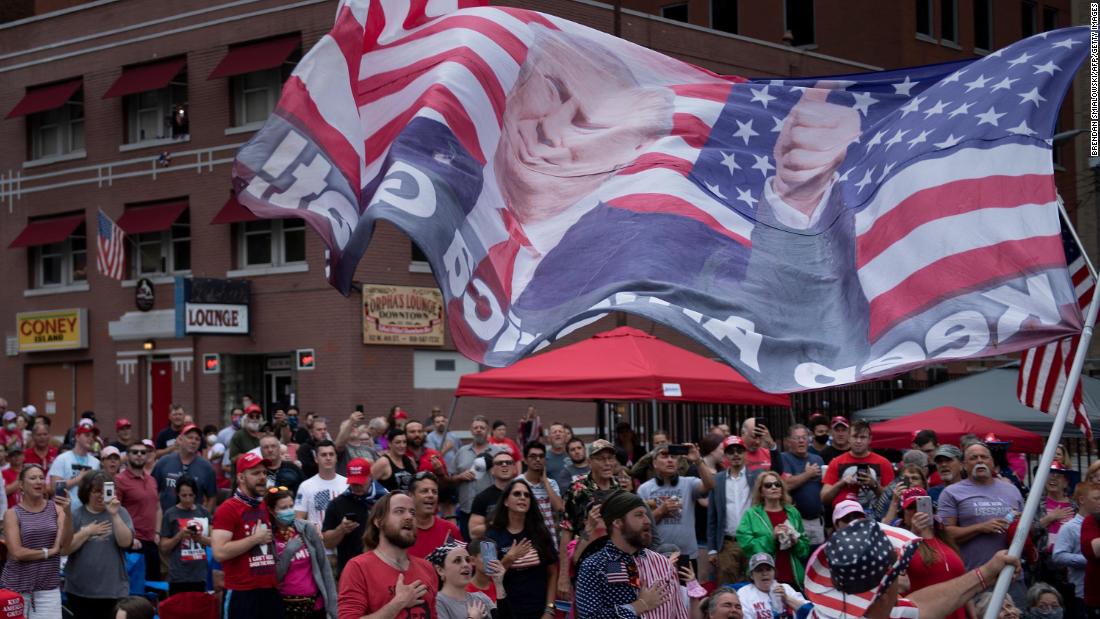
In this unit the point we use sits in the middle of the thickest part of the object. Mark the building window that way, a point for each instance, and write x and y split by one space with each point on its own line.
59 131
1028 16
162 252
418 254
924 17
983 24
678 12
64 263
255 94
158 114
1050 18
723 15
272 242
799 17
949 20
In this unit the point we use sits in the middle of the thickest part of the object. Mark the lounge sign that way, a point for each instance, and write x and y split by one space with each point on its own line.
211 306
65 329
402 315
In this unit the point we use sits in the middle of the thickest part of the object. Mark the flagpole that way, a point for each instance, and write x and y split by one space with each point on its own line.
1076 239
1023 527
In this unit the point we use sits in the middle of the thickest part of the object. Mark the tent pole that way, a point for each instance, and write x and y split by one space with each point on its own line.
1004 580
653 420
601 419
451 414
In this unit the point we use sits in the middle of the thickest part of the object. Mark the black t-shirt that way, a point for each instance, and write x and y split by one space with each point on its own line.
165 435
525 581
352 544
831 452
287 475
485 503
399 479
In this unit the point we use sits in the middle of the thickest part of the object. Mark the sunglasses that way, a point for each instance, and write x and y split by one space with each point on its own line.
771 484
519 494
138 453
504 463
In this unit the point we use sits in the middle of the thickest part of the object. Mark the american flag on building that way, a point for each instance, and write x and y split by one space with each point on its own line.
110 251
1045 370
811 232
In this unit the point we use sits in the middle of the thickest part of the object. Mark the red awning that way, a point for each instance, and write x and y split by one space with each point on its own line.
45 98
141 219
145 77
233 212
46 231
621 364
250 57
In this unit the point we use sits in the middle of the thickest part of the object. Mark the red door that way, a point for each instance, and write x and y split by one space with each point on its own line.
160 393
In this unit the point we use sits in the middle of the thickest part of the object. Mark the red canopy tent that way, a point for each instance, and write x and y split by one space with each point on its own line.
950 424
621 364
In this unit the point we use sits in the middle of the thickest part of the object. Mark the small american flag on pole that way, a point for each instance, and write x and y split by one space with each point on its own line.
1045 369
110 254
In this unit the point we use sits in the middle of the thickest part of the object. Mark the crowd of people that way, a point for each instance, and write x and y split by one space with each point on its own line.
279 514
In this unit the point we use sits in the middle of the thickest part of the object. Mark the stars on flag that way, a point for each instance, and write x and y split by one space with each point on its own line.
1032 96
866 180
938 108
978 82
744 195
949 142
761 96
1022 58
920 139
903 87
730 162
990 117
1003 84
1021 129
896 138
912 106
1047 67
762 164
863 102
963 108
744 131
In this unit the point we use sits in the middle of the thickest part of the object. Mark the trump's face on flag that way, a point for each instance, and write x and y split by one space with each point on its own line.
575 116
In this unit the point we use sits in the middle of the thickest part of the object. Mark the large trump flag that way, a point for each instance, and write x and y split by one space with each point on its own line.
811 232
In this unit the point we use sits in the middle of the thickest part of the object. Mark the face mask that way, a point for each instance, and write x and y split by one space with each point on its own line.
285 517
11 426
236 423
211 439
292 422
1054 613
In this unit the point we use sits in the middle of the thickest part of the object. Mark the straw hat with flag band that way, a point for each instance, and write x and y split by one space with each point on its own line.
858 563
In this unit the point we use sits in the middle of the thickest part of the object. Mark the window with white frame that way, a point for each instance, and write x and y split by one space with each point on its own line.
158 114
57 132
255 94
440 369
272 242
162 252
61 264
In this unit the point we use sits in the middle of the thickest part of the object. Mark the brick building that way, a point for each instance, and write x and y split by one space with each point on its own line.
135 108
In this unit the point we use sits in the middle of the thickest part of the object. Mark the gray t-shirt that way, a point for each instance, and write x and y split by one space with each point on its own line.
187 561
970 503
98 568
568 473
467 490
449 608
555 462
676 529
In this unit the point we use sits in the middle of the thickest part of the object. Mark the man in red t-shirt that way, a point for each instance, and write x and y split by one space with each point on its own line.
241 539
431 530
39 451
1090 548
386 578
857 470
760 448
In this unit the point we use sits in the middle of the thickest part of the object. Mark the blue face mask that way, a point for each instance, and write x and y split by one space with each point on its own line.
292 422
285 516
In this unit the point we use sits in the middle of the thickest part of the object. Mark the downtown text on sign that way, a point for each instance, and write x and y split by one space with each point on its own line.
402 315
64 329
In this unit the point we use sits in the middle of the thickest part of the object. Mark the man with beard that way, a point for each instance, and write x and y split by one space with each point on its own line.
346 516
730 499
248 437
242 543
949 466
137 492
386 582
470 481
576 466
977 512
610 581
426 458
431 530
185 460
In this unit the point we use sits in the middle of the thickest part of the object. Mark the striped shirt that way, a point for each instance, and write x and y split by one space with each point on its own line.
36 530
606 584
